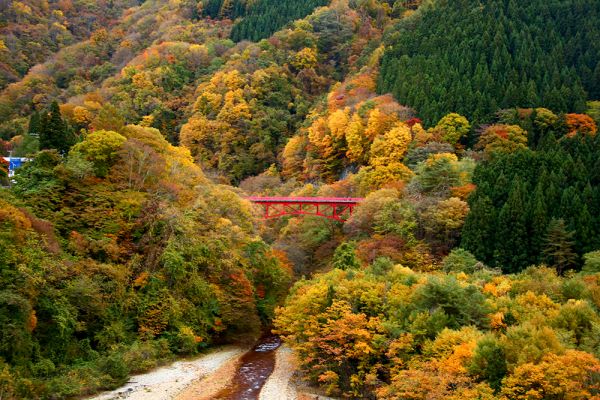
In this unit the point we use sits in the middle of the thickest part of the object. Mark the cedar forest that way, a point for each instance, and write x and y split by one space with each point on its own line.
471 270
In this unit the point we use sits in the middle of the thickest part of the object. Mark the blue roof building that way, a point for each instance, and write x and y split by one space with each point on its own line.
14 163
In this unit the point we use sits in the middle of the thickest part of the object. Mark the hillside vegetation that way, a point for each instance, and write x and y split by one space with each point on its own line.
118 257
388 332
475 57
32 30
469 271
259 19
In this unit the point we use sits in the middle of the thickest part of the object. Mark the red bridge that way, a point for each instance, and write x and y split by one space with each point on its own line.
336 208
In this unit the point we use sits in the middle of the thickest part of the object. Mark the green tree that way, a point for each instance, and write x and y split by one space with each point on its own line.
438 173
345 257
35 124
455 304
55 133
479 229
558 250
536 51
592 262
460 260
512 239
489 362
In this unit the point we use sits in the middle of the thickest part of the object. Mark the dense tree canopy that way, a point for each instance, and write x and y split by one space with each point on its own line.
404 335
520 194
261 18
474 58
470 270
32 30
119 256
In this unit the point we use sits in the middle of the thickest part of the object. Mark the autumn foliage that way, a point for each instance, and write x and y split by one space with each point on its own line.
139 258
405 335
470 269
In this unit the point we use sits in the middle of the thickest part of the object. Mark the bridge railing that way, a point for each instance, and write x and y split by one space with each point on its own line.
307 200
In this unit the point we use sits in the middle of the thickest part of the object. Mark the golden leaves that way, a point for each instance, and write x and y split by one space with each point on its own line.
391 147
569 376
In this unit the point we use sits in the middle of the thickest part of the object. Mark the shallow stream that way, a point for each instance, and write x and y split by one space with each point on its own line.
255 368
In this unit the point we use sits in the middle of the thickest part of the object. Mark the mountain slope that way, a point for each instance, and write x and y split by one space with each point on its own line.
32 30
118 257
475 57
259 19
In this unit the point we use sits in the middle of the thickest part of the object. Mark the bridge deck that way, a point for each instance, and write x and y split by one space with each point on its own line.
305 200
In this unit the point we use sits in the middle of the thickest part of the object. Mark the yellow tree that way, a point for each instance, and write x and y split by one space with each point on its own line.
148 157
443 374
226 8
502 138
305 59
338 123
319 137
544 118
375 177
327 135
452 128
235 110
81 115
379 123
208 103
420 135
344 347
356 140
444 220
293 157
202 137
391 147
571 376
101 148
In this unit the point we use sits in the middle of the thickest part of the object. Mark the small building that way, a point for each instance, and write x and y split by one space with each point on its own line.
14 163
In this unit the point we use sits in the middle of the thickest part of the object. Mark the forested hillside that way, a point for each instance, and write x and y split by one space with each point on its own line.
120 256
530 200
259 19
388 332
470 269
154 39
244 115
32 30
475 57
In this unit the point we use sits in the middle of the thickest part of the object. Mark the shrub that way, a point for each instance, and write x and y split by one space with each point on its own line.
489 362
463 305
460 260
115 366
345 257
592 263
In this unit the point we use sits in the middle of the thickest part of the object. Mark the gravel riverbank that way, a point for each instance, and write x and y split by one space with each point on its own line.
279 385
202 378
167 382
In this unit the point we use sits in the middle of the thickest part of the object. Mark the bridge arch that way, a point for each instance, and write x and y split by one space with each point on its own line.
334 208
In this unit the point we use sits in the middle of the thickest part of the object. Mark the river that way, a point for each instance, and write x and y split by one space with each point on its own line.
246 372
255 368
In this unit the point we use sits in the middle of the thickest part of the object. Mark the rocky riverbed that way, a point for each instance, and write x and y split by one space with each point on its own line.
221 374
168 382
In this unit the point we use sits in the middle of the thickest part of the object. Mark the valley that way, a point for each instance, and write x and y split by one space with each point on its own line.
352 199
